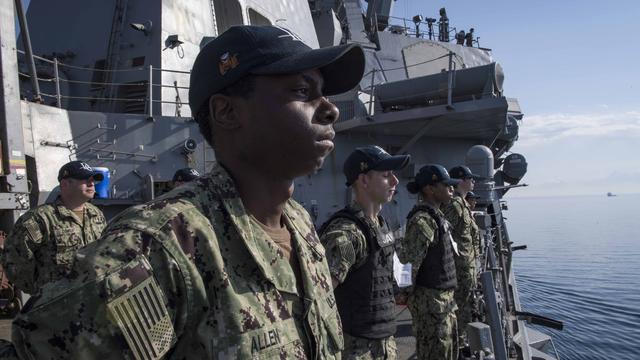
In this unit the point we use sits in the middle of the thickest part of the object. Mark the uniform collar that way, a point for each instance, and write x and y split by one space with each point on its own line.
223 185
359 209
464 202
436 209
65 212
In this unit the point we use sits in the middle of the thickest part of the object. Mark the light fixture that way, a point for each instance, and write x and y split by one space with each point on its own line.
145 28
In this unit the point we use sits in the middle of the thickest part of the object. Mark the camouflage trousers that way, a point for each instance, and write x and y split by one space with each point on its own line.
356 348
467 282
434 324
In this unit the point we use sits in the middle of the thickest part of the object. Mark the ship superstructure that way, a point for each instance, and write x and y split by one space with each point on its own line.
106 82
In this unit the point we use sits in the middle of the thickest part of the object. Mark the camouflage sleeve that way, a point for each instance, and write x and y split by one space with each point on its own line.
345 246
20 252
454 213
124 280
419 236
476 240
102 221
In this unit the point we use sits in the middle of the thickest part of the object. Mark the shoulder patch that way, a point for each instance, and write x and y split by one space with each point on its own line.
34 230
137 304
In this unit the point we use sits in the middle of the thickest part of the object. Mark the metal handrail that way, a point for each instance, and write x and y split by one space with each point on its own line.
56 79
449 88
150 84
409 30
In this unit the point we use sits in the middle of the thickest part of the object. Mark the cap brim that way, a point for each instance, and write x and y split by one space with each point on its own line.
452 182
396 162
342 66
96 176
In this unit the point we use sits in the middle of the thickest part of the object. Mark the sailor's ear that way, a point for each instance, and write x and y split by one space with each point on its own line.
223 111
363 179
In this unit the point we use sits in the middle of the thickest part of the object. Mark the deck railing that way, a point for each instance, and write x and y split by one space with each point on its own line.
152 80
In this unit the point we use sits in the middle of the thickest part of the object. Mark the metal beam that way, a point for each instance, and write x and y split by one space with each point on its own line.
493 315
14 168
14 201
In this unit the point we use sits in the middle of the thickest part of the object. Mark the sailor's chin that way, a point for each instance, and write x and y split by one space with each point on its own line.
325 146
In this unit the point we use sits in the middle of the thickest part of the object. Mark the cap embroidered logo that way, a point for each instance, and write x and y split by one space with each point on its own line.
86 166
227 62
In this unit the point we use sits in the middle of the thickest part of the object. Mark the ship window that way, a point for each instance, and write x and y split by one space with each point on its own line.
137 61
228 13
255 18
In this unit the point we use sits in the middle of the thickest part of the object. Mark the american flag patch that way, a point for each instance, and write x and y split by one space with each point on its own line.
143 318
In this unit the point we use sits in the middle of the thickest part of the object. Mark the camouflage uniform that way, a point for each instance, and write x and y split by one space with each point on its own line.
356 348
465 233
44 241
346 248
433 311
189 276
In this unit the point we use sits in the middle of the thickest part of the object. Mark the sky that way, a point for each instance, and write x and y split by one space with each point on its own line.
573 66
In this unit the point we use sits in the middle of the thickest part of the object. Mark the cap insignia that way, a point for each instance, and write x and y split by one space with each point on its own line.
364 166
434 177
86 166
227 62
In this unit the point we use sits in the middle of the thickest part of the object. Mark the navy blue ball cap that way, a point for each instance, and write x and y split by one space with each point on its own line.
186 174
371 157
269 50
431 174
463 172
78 170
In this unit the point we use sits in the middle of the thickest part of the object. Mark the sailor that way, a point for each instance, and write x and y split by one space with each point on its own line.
227 266
464 230
469 38
44 241
443 26
184 175
472 199
430 249
360 248
460 37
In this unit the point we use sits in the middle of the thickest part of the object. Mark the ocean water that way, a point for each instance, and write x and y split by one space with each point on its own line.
582 267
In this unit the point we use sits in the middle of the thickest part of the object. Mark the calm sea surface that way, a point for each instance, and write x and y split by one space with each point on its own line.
582 266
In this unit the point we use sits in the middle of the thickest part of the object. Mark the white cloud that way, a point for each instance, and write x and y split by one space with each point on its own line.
539 129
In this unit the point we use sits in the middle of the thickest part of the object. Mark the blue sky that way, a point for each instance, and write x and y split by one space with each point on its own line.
573 66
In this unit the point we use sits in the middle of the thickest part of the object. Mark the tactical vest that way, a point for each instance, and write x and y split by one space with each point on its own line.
365 299
438 269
